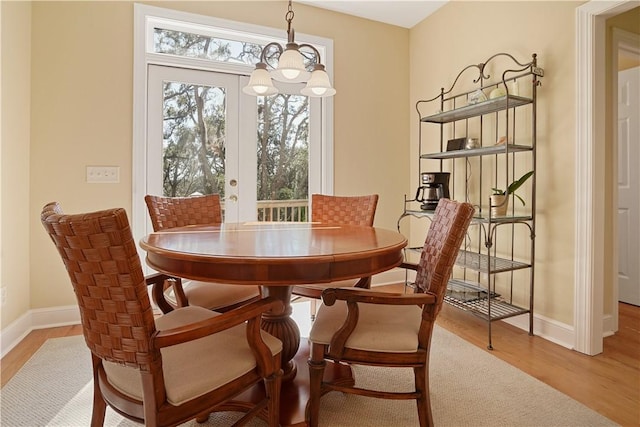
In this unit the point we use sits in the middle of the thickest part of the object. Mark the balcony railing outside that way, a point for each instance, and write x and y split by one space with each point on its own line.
283 210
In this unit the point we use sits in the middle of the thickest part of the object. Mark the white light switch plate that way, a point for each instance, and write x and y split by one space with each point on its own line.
103 174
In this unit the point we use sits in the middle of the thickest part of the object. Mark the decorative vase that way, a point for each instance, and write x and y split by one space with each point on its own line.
499 205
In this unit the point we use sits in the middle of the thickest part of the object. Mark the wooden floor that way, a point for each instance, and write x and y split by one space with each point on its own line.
608 383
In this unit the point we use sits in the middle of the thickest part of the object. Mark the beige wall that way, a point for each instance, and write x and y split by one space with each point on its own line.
463 33
14 167
81 114
82 62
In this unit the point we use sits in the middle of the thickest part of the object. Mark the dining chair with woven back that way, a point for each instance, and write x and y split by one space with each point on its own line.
338 210
171 212
359 326
171 369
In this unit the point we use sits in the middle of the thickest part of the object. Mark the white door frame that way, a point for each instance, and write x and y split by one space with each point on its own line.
630 42
590 167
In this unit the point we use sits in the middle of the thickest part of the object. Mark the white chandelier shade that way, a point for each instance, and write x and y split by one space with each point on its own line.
319 84
291 66
260 83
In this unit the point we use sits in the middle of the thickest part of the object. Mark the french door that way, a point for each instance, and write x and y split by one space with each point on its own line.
262 155
201 138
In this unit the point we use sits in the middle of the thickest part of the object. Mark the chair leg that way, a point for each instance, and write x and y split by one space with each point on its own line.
272 386
99 404
425 416
313 309
316 364
99 409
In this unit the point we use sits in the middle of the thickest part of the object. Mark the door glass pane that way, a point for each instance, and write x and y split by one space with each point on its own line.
193 155
201 46
283 158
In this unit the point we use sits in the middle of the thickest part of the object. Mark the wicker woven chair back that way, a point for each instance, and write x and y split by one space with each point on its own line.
170 212
100 256
344 210
446 233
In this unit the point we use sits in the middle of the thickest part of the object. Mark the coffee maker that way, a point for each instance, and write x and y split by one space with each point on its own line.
434 186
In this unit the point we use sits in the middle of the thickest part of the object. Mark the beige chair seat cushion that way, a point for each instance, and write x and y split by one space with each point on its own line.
213 295
197 367
385 328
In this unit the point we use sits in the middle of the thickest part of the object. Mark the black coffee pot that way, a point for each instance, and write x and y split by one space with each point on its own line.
434 186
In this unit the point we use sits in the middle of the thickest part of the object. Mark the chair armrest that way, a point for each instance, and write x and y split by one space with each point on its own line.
352 295
355 296
409 266
250 313
155 278
194 331
308 291
159 282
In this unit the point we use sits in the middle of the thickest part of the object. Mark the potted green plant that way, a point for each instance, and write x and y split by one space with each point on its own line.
499 199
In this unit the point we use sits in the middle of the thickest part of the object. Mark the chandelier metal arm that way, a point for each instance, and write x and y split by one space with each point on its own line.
263 54
315 51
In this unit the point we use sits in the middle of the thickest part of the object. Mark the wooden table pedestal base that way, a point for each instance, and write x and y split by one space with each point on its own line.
295 392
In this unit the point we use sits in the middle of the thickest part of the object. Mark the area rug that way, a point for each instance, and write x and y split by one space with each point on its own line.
469 387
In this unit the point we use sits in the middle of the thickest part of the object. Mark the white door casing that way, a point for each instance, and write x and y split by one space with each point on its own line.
629 186
589 201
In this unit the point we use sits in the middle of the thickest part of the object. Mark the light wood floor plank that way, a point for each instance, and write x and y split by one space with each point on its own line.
18 356
608 383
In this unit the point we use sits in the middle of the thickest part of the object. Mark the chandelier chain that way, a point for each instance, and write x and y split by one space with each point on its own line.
289 16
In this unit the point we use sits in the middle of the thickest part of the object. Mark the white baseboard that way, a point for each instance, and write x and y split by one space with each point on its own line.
549 329
608 325
11 335
41 318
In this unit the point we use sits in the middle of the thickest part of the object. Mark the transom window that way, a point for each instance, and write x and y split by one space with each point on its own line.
190 45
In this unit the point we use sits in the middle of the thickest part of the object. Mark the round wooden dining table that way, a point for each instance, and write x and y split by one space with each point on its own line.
275 256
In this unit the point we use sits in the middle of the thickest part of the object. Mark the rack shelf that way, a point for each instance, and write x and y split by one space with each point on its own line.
479 217
480 262
475 152
474 298
499 309
479 109
484 257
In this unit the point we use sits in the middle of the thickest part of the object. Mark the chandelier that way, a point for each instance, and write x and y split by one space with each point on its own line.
290 67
